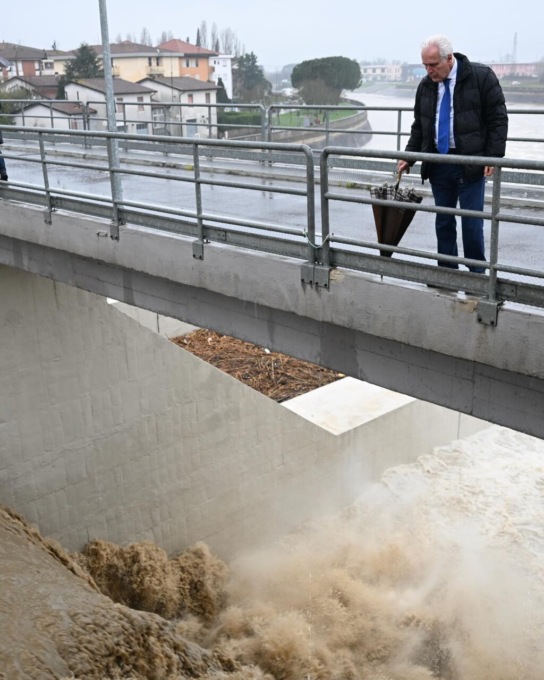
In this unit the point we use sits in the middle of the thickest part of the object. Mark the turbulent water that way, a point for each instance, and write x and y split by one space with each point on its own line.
436 572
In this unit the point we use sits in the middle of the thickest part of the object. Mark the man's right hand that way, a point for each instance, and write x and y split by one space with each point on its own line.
403 166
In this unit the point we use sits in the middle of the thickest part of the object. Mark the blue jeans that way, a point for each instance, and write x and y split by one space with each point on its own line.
449 185
3 171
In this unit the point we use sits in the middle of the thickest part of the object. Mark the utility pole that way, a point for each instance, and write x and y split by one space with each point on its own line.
113 149
515 54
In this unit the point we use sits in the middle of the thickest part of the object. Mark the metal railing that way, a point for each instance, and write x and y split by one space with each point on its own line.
315 240
413 265
273 122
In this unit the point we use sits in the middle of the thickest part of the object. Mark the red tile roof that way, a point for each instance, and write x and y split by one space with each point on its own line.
183 47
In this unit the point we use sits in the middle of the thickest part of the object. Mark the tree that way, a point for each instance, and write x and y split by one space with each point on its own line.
222 96
165 36
198 38
61 88
203 32
317 92
214 37
7 108
84 65
249 82
332 74
145 37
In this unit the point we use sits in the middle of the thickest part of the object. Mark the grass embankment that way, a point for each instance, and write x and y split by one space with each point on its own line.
308 117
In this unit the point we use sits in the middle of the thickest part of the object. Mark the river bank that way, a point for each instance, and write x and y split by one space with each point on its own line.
513 94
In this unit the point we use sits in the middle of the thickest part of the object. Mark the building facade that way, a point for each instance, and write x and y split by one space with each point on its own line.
20 60
132 103
183 107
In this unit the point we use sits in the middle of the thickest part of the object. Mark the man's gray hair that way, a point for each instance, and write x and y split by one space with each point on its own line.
441 41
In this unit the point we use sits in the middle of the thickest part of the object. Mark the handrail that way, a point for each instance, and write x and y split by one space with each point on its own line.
505 289
134 113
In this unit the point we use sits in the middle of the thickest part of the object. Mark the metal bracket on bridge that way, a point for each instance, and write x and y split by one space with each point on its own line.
198 250
48 215
488 312
316 274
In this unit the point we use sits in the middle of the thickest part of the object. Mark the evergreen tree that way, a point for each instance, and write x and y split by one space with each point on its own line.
61 92
326 77
250 85
85 64
222 96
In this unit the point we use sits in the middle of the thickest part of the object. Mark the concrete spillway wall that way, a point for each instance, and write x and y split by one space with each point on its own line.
108 430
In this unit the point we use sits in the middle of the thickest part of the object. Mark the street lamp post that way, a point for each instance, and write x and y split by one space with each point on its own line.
113 149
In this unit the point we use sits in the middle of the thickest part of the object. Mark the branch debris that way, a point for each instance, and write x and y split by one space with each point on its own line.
275 375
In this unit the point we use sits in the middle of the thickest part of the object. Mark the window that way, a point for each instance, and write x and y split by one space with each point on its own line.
190 98
208 97
187 63
140 101
141 127
119 107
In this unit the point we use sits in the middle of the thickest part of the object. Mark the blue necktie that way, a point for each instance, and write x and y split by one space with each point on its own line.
443 141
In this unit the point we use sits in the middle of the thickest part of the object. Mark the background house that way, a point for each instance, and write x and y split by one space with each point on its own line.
187 106
221 68
129 60
381 72
37 87
26 61
134 61
188 60
58 115
132 103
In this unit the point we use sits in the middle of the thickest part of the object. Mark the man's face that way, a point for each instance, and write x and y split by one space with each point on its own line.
437 68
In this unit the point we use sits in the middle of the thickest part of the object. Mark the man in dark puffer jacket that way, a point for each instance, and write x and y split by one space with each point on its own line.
3 172
478 127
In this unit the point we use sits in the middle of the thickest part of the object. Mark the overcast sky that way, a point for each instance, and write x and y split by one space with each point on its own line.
290 31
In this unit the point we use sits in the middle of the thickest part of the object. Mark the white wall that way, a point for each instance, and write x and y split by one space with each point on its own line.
108 430
40 116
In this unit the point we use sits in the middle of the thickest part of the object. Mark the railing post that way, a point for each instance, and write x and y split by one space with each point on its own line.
198 245
315 272
43 158
325 215
399 128
264 123
494 241
269 114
